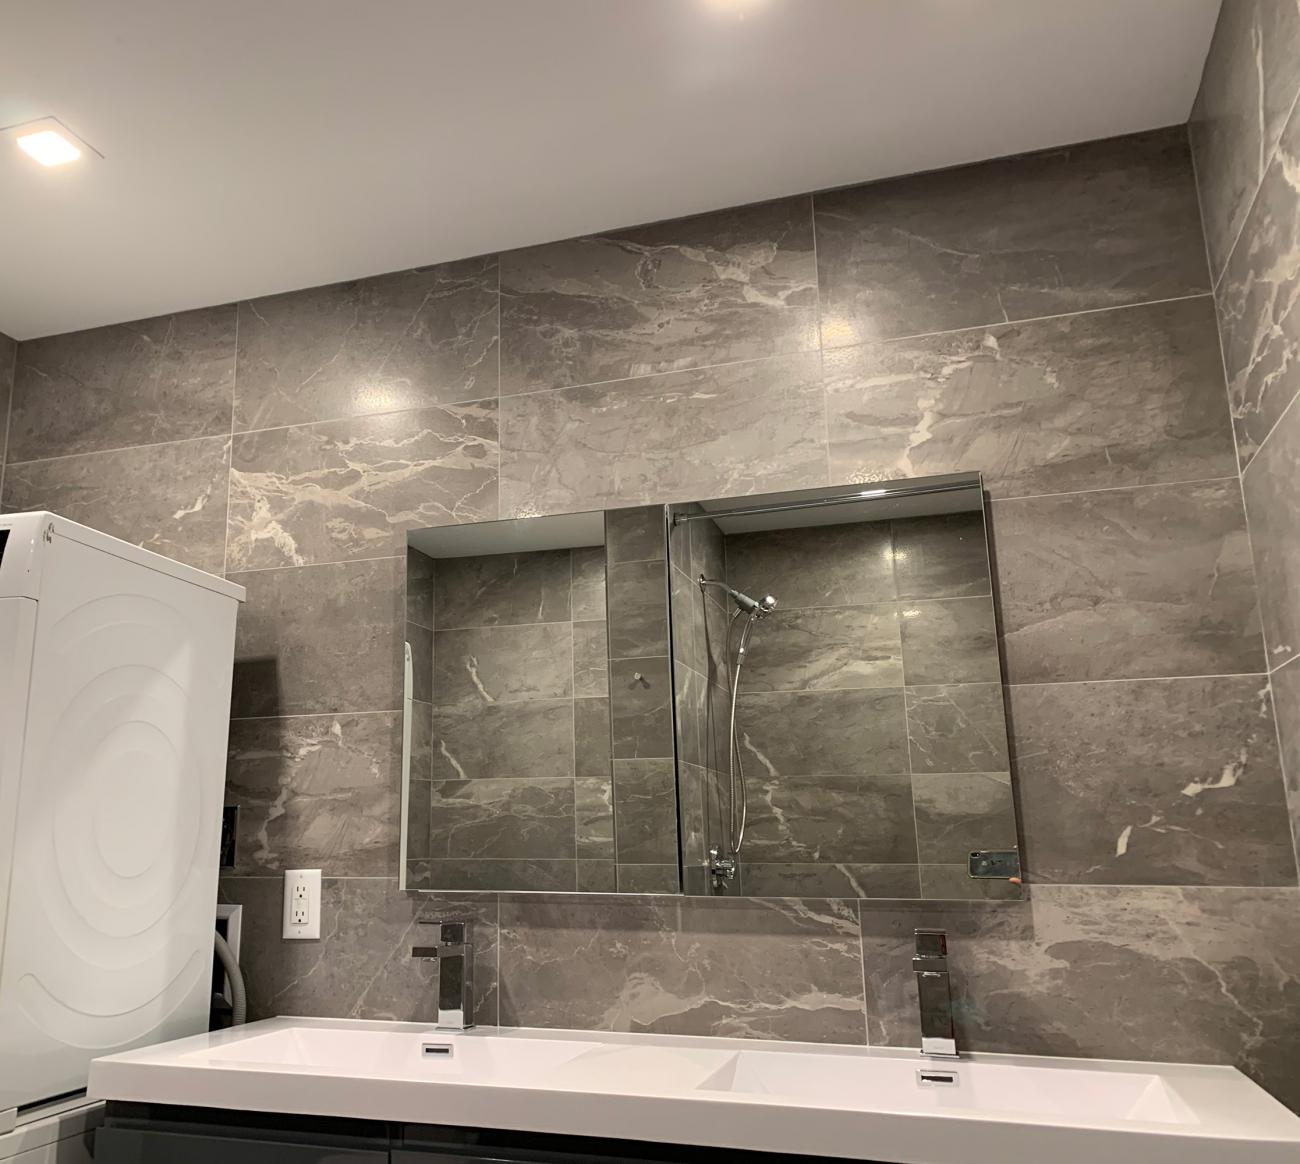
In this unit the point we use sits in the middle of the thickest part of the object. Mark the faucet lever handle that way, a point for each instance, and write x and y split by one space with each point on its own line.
457 931
931 943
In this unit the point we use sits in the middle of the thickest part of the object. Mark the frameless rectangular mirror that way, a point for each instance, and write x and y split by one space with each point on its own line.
840 719
539 707
797 694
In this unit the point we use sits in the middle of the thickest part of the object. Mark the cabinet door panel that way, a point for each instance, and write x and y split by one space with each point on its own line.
134 1146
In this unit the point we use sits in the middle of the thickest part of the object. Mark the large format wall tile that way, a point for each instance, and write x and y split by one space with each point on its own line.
735 429
1251 79
853 819
351 488
317 792
502 589
941 556
1126 583
419 588
829 565
645 812
1158 782
1272 488
1124 397
822 733
635 534
362 965
734 285
952 640
420 640
590 660
155 380
1199 975
640 696
957 728
405 340
1259 302
483 666
759 969
840 880
319 639
638 612
167 498
1087 226
824 648
957 813
502 819
591 738
528 738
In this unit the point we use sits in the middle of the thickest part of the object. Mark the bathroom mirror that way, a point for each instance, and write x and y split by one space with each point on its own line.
840 720
795 694
539 707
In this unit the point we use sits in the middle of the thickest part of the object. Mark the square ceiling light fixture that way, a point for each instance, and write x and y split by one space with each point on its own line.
49 142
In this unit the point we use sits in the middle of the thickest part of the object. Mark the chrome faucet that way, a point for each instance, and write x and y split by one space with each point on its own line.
455 954
935 994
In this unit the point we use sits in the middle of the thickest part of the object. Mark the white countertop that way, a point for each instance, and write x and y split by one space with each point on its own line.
852 1102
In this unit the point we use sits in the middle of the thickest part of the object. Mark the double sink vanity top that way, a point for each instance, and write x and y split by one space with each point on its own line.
850 1102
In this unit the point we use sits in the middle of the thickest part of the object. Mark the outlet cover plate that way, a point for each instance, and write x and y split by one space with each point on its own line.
301 904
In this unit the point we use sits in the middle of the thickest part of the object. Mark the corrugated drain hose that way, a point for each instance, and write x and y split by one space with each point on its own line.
238 1001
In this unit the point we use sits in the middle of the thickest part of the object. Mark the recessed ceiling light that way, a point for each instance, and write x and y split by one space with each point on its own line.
48 141
49 147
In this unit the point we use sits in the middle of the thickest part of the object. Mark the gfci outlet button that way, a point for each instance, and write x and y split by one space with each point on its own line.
301 903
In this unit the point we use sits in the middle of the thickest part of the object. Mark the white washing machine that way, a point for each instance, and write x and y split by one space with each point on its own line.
115 671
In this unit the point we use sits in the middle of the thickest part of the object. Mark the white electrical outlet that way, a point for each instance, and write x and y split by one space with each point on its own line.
302 903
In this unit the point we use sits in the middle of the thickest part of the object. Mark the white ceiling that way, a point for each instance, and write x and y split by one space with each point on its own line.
254 146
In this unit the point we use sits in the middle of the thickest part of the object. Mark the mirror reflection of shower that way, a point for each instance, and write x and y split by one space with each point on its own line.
724 865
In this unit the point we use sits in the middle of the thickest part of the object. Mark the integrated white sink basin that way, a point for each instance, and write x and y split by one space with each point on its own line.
1049 1088
852 1102
367 1053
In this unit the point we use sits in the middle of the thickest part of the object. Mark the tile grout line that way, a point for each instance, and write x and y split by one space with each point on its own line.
994 500
922 905
9 419
1282 666
1276 425
318 565
862 965
501 455
821 343
1005 323
500 400
230 451
218 436
819 347
1227 401
315 715
1142 679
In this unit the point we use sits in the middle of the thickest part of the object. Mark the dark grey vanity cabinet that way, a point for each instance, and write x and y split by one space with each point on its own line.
135 1133
152 1134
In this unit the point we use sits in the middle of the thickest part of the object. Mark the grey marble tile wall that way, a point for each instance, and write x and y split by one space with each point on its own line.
1246 142
1045 320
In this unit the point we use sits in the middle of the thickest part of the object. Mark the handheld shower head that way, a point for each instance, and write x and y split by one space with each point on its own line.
756 607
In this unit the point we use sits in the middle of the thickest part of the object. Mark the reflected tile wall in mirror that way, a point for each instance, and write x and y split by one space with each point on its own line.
870 732
541 753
